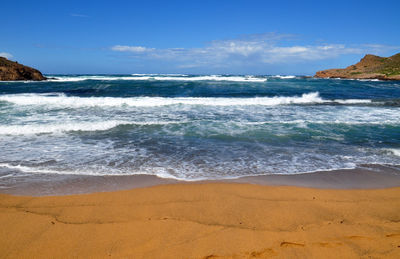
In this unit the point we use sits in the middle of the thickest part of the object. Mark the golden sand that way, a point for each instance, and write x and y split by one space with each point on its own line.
211 220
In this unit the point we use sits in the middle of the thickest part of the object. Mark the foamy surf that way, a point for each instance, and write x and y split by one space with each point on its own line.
394 151
156 171
58 128
196 127
284 77
40 170
77 102
167 77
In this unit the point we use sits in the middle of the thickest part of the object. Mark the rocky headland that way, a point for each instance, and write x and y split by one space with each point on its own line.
13 71
369 67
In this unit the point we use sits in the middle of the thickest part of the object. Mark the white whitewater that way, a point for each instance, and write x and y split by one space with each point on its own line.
62 100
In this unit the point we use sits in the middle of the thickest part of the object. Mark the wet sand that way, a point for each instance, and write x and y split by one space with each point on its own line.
364 177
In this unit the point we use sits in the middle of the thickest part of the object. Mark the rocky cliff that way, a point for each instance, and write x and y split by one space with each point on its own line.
369 67
10 71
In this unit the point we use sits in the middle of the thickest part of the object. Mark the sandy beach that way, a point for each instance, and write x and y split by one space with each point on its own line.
204 220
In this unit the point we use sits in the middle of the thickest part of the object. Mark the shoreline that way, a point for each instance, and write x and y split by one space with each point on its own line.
363 177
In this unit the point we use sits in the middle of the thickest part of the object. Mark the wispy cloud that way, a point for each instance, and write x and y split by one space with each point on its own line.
79 15
6 55
268 48
134 49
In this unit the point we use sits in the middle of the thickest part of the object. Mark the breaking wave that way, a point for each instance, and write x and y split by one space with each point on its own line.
73 126
155 77
61 100
284 77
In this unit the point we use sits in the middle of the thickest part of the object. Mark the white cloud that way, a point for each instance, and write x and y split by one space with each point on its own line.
6 55
134 49
239 47
252 49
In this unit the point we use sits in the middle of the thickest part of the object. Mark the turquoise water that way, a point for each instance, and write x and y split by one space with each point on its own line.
195 127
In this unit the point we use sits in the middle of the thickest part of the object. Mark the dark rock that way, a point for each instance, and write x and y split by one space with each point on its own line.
12 71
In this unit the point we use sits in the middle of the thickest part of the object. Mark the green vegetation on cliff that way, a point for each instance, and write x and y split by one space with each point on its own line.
369 67
391 66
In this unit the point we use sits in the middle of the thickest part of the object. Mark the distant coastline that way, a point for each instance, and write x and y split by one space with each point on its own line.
369 67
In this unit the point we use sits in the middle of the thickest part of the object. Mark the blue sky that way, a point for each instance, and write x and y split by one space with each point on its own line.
201 37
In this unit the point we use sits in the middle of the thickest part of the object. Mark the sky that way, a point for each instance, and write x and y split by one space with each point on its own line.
196 37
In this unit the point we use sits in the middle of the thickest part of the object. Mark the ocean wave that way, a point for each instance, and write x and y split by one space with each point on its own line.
328 121
140 74
161 172
154 77
369 80
62 100
32 129
284 77
84 78
58 128
201 127
156 171
394 151
353 101
38 170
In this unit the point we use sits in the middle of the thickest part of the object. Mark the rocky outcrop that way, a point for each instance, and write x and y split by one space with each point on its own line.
12 71
369 67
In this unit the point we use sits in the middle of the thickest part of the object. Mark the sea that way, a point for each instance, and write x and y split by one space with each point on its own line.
195 127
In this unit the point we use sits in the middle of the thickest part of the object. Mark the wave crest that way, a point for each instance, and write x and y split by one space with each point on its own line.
155 77
74 126
62 100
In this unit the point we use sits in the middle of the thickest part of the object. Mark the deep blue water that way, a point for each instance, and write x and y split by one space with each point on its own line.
195 127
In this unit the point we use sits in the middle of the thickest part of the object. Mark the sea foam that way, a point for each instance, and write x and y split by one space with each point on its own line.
62 100
394 151
284 77
155 77
57 128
